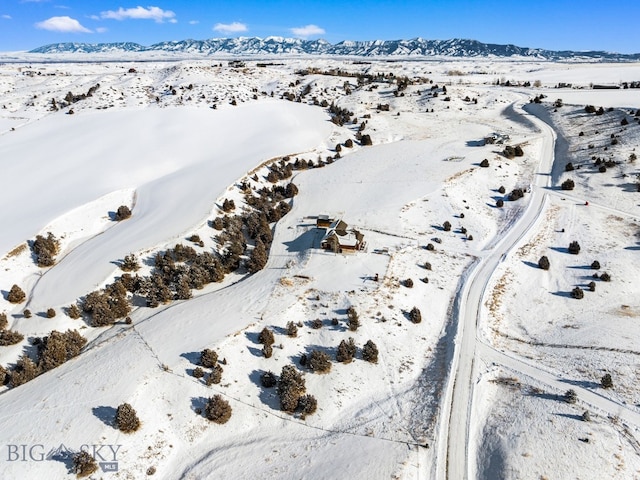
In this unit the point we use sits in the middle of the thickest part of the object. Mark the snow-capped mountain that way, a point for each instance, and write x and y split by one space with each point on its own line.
417 47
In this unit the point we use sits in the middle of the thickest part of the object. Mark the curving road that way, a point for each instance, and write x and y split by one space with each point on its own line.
453 441
452 455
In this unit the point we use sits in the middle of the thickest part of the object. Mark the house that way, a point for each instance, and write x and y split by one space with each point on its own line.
340 239
323 221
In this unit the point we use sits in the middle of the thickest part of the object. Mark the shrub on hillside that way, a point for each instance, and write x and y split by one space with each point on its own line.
57 348
122 213
595 265
268 379
266 337
24 371
130 263
346 351
215 376
208 358
516 194
543 263
606 381
3 321
408 283
577 293
74 311
484 163
218 409
415 316
568 184
9 337
16 295
267 350
569 167
307 404
319 362
51 313
45 249
291 386
370 352
446 226
570 396
84 464
574 247
126 420
292 329
499 203
605 277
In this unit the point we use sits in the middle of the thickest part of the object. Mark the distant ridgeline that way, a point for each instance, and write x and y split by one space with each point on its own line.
416 47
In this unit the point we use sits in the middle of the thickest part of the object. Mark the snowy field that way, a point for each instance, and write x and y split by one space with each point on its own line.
476 389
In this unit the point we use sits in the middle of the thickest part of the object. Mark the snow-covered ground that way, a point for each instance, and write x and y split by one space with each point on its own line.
498 334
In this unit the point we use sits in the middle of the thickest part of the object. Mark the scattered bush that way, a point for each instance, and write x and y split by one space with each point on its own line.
430 246
291 386
543 263
73 311
570 396
208 358
3 321
27 313
569 167
218 409
198 372
126 420
130 263
586 416
319 362
9 337
568 184
606 381
16 295
122 213
605 277
266 337
268 379
316 324
592 286
516 194
346 351
24 371
370 352
365 140
307 405
427 265
577 293
3 375
228 205
574 248
408 283
292 329
84 464
446 226
501 190
267 350
484 163
215 376
57 348
595 265
51 313
499 203
45 249
415 316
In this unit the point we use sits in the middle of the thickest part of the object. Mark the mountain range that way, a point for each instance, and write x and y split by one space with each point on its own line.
417 47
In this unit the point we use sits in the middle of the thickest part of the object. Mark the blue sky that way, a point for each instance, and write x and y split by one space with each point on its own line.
556 25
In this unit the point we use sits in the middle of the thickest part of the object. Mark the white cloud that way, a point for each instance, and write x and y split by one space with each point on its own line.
194 22
62 24
102 30
140 13
307 31
235 27
6 17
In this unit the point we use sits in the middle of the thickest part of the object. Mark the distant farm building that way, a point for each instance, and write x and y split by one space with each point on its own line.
339 238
